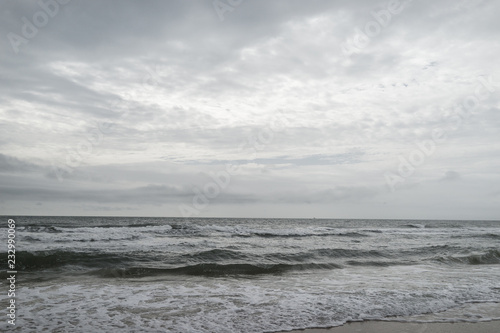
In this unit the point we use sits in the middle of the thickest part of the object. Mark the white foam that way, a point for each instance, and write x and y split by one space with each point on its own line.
269 303
83 238
318 298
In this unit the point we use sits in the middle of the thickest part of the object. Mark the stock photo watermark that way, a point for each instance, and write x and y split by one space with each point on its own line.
222 7
11 272
30 28
222 179
424 149
94 137
84 148
151 79
382 18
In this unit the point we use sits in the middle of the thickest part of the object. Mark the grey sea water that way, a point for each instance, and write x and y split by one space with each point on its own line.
115 274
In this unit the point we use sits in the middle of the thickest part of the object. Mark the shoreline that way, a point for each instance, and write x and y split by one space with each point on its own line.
407 327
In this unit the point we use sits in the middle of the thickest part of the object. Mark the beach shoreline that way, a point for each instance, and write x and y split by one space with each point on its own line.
206 275
407 327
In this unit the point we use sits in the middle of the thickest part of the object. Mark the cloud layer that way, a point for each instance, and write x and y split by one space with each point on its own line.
307 109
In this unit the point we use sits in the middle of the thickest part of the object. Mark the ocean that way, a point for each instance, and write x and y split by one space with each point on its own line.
129 274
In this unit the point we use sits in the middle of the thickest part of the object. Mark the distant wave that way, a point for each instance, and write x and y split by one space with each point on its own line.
31 239
486 236
215 255
210 230
312 259
36 228
211 269
308 234
52 259
198 230
415 225
376 231
93 238
489 258
378 263
490 236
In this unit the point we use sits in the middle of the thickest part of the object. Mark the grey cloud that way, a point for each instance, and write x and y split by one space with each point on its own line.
333 195
186 90
319 159
12 164
451 176
150 194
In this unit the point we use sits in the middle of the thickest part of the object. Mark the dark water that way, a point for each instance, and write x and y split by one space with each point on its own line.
81 274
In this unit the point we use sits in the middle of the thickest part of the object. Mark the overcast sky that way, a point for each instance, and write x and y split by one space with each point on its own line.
256 108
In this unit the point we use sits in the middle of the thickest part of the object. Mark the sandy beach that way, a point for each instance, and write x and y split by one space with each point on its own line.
397 327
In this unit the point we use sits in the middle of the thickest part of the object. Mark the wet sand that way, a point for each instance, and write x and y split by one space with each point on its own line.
396 327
